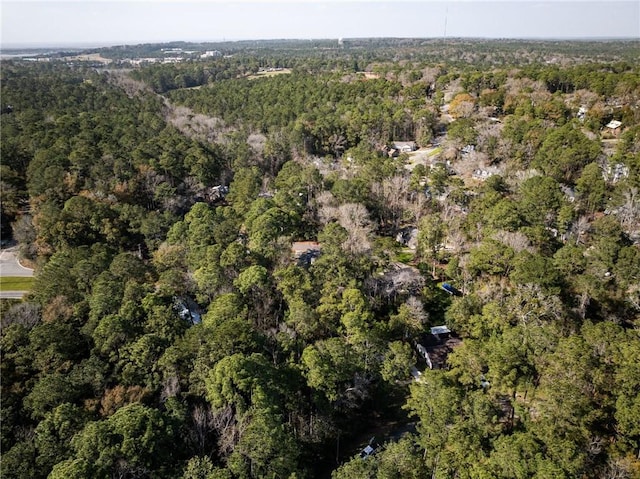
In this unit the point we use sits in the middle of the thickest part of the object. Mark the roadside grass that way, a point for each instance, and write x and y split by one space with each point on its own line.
435 151
16 283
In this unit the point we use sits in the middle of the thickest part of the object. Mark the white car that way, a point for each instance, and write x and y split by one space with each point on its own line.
370 449
366 452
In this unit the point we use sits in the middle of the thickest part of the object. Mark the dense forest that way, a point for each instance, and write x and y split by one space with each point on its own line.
240 259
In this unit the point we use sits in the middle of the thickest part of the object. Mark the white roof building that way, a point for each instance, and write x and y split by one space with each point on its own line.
440 330
404 146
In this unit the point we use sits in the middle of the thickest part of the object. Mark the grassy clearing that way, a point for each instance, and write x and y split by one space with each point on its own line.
16 283
268 74
405 256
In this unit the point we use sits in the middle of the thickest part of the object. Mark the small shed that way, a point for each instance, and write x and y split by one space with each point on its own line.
613 128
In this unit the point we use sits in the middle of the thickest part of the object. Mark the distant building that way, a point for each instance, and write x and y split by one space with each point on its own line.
468 149
482 174
211 54
404 146
141 61
172 60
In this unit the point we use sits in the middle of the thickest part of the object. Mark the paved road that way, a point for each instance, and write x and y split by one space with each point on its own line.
9 265
12 294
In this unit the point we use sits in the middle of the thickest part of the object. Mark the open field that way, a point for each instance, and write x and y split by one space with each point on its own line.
89 57
266 74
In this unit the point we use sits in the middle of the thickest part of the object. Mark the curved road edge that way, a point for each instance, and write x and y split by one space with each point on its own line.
10 266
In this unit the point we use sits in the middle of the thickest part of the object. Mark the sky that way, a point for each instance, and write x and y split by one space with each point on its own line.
108 22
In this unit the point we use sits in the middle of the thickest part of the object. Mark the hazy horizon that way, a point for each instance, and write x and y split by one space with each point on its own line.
81 45
78 24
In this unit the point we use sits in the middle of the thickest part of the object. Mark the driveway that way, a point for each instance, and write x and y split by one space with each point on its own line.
423 156
9 265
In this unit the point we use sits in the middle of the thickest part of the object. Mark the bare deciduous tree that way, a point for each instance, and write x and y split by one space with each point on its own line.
229 430
171 387
620 468
417 207
195 125
629 211
392 195
336 143
26 314
580 228
257 141
515 87
515 240
456 239
430 74
58 309
487 133
124 470
416 309
327 207
202 426
354 217
130 86
582 97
